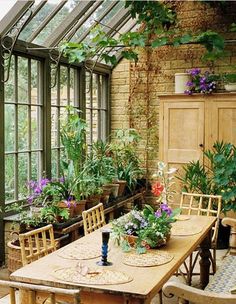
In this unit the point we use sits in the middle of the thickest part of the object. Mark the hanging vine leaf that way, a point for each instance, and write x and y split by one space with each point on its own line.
159 42
130 55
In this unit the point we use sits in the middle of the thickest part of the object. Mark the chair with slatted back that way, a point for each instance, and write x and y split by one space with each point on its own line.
201 204
93 218
34 292
197 296
36 244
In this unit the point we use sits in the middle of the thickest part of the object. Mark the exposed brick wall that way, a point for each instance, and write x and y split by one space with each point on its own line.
135 88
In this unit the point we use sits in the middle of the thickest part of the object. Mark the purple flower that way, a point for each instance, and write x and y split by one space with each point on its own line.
164 207
188 92
61 179
44 182
189 83
30 199
194 72
158 213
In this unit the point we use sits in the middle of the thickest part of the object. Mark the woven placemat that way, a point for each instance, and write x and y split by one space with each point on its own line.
185 229
182 217
96 276
148 259
81 251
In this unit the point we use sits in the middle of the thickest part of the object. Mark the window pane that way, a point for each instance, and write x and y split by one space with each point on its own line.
23 121
63 86
35 127
34 82
35 160
54 163
72 86
22 80
9 177
54 128
95 125
9 127
9 88
22 174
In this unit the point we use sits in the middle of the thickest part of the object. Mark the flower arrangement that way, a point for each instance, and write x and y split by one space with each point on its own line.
200 83
150 227
147 229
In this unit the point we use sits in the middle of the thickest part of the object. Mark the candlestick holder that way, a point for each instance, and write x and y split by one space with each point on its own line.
105 240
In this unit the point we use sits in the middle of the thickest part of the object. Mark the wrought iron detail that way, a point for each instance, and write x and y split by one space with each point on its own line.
55 58
8 41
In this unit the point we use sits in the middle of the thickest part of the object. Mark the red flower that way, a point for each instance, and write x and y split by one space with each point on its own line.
157 188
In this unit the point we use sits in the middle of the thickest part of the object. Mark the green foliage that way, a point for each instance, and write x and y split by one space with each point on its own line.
219 178
229 78
73 137
125 157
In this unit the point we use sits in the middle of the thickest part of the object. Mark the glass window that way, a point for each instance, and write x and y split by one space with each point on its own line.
23 133
62 95
96 107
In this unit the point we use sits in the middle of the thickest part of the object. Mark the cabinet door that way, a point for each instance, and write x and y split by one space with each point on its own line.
182 130
223 121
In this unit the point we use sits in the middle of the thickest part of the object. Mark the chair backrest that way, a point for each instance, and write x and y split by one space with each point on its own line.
36 244
232 240
195 295
33 291
202 204
93 218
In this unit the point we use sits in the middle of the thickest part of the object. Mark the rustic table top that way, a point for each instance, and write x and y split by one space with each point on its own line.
146 281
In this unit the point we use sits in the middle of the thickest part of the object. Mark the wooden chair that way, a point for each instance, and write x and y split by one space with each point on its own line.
197 296
35 291
93 218
36 244
201 204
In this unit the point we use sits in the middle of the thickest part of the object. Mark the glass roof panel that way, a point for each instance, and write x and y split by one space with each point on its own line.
6 5
107 18
91 20
58 18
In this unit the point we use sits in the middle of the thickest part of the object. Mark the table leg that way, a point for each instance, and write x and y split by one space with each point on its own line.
205 260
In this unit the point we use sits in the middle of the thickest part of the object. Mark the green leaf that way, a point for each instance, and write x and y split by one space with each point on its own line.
159 42
186 39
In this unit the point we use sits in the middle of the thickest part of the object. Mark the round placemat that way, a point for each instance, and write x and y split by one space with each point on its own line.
96 276
81 251
148 259
182 217
180 229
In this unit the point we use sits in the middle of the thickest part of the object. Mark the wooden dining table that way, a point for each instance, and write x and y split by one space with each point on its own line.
146 281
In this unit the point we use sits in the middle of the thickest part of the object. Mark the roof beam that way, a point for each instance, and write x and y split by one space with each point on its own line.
59 33
14 14
46 20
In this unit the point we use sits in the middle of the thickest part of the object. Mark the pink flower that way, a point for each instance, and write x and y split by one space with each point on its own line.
157 188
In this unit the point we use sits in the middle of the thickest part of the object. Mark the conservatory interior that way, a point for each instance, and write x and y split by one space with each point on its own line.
117 152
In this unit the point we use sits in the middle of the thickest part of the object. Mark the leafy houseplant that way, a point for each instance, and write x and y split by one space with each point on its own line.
124 153
229 82
219 177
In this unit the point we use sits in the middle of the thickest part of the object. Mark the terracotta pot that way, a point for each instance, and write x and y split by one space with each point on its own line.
69 206
114 189
122 184
105 196
79 207
131 239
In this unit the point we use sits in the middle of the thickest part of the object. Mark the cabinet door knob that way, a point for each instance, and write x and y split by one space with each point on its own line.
201 145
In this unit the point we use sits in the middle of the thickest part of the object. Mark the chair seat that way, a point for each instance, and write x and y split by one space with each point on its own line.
225 277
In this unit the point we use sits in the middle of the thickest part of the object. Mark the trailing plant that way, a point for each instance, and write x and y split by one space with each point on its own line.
217 178
157 20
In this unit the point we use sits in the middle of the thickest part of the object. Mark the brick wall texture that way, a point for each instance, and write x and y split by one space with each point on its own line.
135 87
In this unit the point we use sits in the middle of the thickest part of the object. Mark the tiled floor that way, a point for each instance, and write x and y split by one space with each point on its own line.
220 255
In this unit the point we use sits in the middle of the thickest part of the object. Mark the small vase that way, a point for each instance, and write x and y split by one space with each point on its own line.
180 82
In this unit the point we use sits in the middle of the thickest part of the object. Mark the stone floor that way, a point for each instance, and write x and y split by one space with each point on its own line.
4 298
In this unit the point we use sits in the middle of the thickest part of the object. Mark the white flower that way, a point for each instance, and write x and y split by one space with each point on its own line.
171 170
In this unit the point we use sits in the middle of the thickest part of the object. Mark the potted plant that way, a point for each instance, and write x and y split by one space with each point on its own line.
229 82
199 82
125 157
217 178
